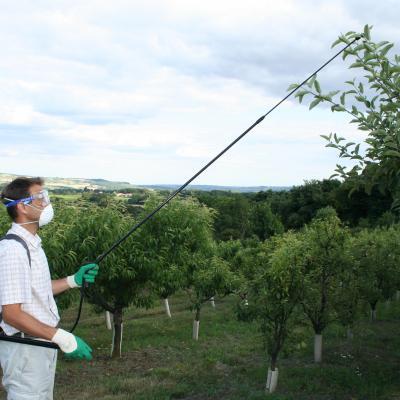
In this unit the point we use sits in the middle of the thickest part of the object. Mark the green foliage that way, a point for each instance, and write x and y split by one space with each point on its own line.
378 256
263 222
5 221
57 237
373 102
174 235
209 277
126 275
233 213
275 288
327 258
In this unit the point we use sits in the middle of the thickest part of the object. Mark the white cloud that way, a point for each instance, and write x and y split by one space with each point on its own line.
149 91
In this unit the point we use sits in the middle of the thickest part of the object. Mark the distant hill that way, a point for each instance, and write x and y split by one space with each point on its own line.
102 184
209 188
75 183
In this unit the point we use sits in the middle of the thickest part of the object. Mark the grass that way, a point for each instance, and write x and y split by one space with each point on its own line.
161 361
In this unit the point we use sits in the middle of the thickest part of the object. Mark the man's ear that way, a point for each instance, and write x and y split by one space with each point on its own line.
21 208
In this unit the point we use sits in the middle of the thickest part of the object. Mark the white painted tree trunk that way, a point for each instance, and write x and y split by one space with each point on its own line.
272 380
373 315
318 348
350 334
166 305
108 320
212 301
196 326
120 342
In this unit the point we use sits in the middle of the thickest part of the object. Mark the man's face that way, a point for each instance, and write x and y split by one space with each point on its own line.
32 210
38 203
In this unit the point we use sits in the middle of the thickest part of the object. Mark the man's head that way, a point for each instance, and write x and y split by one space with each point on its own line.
24 188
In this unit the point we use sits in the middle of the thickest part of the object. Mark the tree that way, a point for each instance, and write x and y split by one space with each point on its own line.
127 275
232 218
373 103
326 258
274 291
208 276
378 255
263 222
181 229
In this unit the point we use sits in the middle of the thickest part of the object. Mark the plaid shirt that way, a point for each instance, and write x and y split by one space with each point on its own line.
22 284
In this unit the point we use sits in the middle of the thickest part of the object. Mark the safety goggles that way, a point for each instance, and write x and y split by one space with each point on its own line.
42 196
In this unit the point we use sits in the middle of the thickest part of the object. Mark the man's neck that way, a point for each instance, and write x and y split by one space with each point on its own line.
31 228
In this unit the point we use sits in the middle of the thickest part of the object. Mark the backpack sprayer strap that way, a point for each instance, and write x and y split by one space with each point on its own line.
20 337
12 236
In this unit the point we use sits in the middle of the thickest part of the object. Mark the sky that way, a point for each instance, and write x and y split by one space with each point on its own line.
149 91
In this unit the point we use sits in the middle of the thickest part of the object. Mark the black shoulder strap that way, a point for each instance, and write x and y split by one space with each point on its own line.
12 236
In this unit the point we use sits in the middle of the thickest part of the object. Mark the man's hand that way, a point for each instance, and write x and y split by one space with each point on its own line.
73 346
87 272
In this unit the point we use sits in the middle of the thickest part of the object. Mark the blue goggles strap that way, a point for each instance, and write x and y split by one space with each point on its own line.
14 202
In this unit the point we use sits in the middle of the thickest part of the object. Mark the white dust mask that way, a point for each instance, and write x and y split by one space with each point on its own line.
45 217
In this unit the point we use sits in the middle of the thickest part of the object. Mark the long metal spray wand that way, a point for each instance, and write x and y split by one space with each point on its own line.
101 257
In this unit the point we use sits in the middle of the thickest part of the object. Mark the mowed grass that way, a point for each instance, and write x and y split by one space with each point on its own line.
161 361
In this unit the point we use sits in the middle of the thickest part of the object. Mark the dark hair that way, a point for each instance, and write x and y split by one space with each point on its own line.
18 189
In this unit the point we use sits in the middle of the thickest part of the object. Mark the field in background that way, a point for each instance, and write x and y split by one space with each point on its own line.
161 361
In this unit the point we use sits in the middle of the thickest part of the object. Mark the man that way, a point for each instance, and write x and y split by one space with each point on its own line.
26 296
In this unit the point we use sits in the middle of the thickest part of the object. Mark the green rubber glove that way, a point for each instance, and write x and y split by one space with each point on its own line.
82 352
87 272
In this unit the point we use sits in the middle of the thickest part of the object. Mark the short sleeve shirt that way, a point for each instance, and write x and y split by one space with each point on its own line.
23 284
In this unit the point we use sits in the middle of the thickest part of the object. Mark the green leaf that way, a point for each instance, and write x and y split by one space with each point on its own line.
301 94
391 153
357 64
317 86
367 33
315 103
333 93
384 51
336 42
395 69
311 81
292 87
342 98
335 138
337 107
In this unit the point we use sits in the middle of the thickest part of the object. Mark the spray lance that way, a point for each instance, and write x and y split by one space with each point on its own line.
102 256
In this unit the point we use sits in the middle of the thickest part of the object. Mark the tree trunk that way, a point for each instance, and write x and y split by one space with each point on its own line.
272 378
397 295
318 348
373 314
167 310
212 302
350 334
196 325
108 320
116 348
